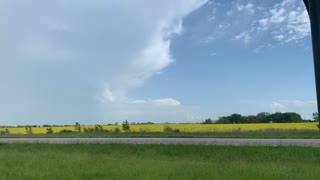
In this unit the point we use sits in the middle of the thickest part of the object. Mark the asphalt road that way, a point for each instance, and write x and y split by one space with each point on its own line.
206 141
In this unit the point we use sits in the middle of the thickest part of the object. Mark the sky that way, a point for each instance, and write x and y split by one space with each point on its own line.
100 62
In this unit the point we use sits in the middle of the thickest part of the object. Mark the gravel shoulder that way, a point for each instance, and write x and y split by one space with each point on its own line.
204 141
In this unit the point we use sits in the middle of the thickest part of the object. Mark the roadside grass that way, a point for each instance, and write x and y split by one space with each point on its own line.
123 161
268 133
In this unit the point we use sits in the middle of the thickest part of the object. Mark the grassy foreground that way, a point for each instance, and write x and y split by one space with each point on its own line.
122 161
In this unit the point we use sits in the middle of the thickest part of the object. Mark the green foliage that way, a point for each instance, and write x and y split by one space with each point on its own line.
207 121
29 130
263 117
49 130
125 126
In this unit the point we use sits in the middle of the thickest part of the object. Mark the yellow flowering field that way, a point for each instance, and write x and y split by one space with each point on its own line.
182 127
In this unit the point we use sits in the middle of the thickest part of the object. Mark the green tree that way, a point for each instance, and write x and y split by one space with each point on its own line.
279 117
236 118
223 120
126 126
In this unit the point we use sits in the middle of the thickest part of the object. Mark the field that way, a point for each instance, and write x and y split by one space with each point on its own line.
122 161
185 128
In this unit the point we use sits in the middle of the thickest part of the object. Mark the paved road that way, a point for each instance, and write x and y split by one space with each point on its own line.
207 141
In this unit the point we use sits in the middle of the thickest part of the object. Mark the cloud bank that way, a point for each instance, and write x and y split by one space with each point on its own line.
67 61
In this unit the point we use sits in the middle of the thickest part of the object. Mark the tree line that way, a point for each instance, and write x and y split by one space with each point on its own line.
263 117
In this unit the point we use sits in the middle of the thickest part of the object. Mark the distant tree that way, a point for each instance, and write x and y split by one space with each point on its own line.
236 118
125 126
315 116
207 121
77 127
263 117
223 120
279 117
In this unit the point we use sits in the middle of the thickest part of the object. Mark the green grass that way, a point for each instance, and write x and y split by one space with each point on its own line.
271 133
123 161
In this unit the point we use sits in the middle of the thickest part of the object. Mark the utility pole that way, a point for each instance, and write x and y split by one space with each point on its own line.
313 8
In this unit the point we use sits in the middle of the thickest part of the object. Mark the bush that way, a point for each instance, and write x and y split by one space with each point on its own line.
117 130
126 126
168 129
49 131
66 131
95 129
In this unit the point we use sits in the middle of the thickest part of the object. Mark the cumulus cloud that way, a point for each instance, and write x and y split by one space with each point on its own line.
58 56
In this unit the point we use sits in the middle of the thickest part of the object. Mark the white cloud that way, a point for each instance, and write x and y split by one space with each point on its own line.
288 21
107 96
159 102
62 53
285 22
244 36
166 102
237 7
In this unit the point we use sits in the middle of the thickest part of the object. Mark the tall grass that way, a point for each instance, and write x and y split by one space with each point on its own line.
121 161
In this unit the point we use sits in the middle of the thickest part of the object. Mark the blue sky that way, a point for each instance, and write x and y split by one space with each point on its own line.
102 62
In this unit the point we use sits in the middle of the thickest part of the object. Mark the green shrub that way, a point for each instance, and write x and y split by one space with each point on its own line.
168 129
29 130
117 130
126 126
49 131
66 131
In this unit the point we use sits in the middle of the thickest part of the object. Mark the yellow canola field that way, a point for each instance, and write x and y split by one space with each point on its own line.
182 127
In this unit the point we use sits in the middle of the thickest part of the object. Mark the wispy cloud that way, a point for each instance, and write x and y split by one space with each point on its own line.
237 7
159 102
